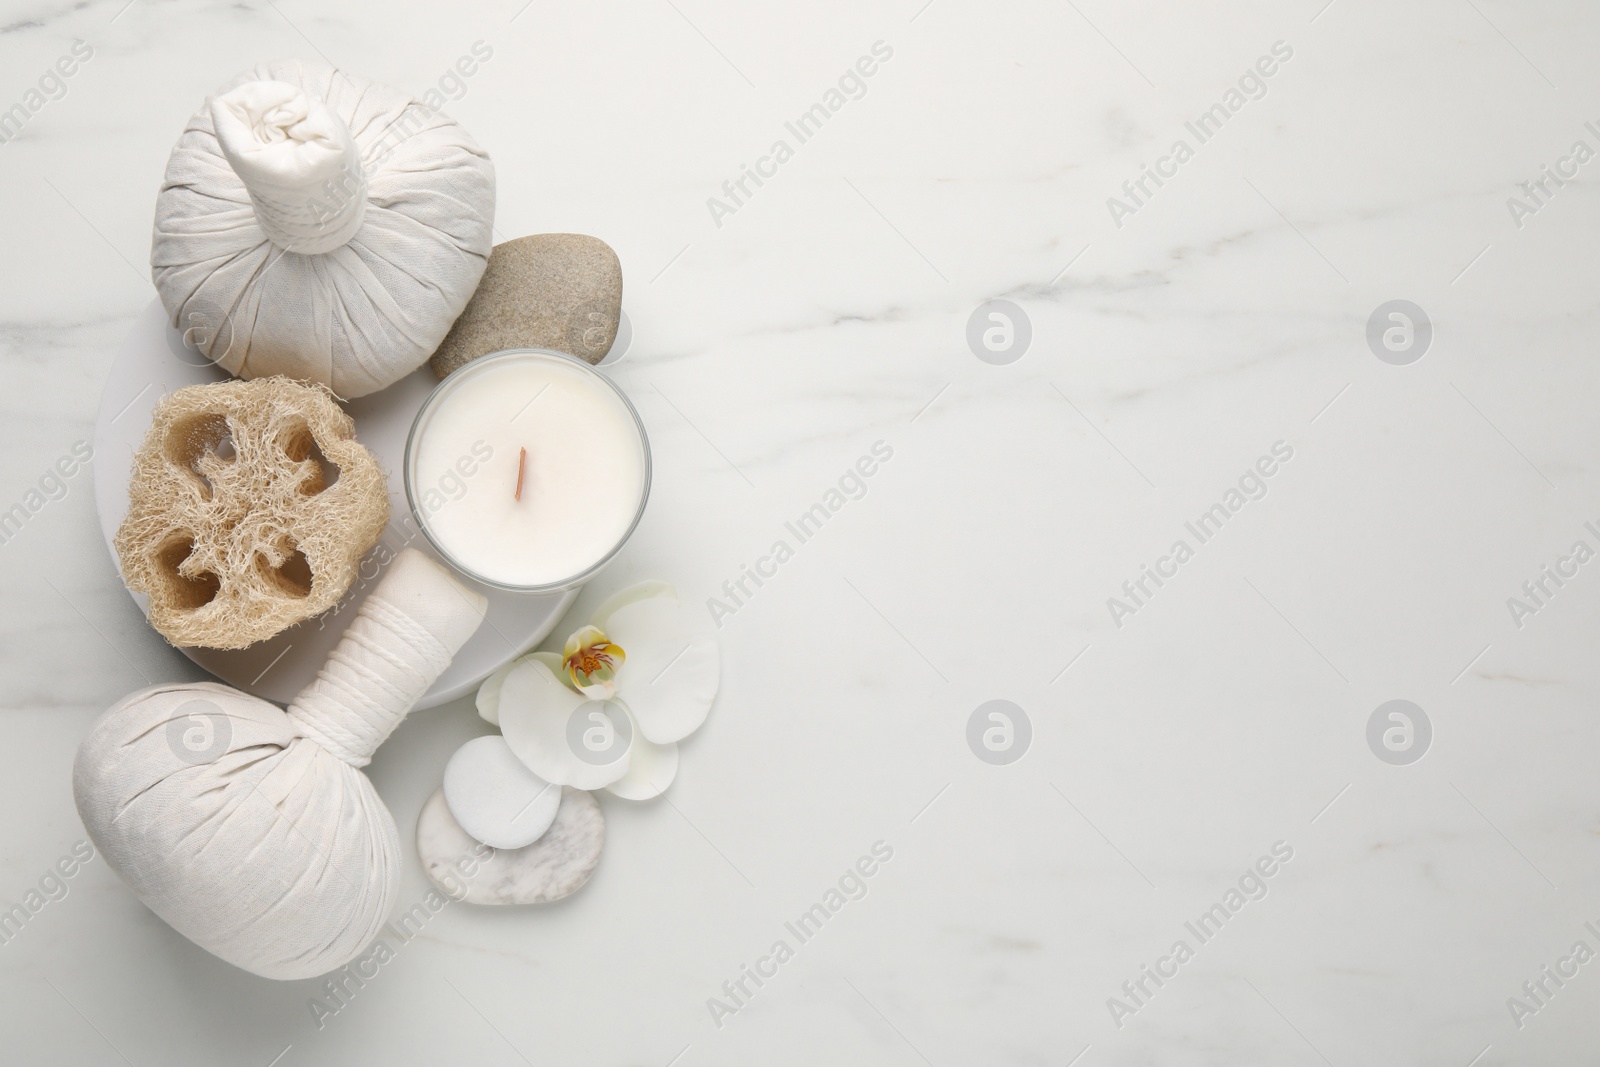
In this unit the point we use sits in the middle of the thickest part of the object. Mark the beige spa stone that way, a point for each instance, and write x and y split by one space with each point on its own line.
548 290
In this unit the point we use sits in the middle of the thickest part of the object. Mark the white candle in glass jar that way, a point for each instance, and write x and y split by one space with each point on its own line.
527 470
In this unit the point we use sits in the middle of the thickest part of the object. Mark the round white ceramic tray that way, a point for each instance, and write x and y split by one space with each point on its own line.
154 361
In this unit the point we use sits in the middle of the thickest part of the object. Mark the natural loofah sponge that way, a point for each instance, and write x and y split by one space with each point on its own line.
250 508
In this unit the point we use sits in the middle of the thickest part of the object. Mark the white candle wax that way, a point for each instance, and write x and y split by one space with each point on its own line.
561 429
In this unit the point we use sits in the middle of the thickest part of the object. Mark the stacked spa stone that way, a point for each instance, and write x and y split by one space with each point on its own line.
555 865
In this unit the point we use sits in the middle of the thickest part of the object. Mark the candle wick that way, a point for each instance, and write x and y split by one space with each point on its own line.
522 462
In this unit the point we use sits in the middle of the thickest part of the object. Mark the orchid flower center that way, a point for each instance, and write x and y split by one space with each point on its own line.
591 660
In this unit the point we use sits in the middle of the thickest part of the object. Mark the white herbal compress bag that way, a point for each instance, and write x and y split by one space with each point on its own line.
251 830
320 226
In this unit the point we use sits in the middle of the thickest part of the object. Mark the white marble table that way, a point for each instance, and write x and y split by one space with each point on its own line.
1176 338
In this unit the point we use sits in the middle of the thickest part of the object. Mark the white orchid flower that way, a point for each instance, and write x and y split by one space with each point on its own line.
609 710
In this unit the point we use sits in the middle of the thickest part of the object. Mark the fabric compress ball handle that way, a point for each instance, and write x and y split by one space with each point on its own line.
401 640
297 161
250 830
318 225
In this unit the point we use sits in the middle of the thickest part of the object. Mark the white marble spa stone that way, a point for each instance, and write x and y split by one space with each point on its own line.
555 866
494 797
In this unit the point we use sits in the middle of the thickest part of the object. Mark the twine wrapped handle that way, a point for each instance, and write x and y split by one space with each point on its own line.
401 640
298 162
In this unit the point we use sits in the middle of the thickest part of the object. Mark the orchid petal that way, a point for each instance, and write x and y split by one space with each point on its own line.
537 717
651 768
673 665
623 597
488 698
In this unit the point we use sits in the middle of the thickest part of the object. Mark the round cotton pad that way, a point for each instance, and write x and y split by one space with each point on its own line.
495 797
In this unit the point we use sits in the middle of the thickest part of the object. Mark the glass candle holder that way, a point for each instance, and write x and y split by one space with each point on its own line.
527 470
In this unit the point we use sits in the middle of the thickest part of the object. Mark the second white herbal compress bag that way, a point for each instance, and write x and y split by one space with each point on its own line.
251 829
